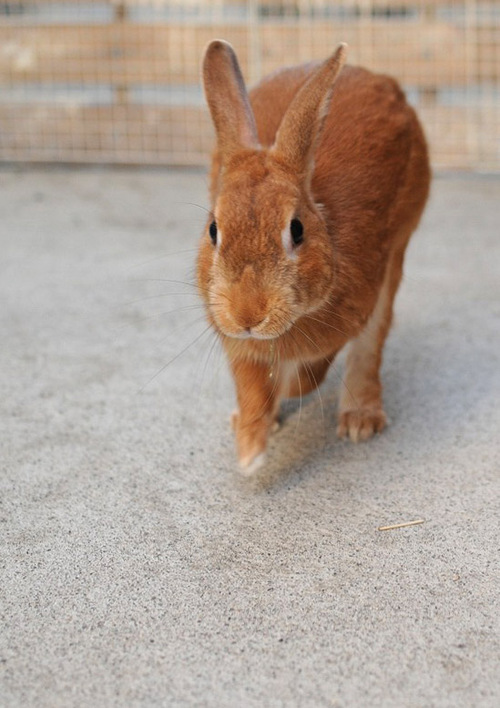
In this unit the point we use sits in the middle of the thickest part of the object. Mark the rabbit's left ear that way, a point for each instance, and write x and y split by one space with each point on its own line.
303 121
228 99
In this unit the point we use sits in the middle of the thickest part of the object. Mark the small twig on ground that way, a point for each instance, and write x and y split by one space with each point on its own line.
401 526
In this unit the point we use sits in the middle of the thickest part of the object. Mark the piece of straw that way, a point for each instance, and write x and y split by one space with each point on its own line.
401 526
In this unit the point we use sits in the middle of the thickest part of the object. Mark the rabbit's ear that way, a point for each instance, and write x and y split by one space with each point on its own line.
301 126
228 99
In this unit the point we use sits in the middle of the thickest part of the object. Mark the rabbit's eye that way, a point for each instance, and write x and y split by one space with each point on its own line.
297 232
212 230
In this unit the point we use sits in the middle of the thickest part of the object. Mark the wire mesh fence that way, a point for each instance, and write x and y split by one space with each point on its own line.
117 81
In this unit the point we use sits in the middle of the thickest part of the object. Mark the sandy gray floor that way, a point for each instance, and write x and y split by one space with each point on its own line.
139 569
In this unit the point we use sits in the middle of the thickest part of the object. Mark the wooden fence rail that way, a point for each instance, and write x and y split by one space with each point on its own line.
111 81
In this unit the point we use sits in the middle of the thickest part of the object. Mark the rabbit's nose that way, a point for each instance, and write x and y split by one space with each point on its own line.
248 315
254 326
249 320
248 302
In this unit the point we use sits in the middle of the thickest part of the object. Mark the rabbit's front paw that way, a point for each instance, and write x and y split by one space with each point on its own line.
251 438
361 423
251 463
251 452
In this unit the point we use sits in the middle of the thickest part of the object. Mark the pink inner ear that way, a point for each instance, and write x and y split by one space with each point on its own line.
248 136
227 98
303 121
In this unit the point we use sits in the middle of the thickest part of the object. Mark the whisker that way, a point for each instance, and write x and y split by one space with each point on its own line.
218 353
343 383
174 358
166 280
161 256
215 341
304 334
153 297
301 398
200 206
310 373
193 285
336 372
183 327
224 295
325 324
330 308
297 373
157 315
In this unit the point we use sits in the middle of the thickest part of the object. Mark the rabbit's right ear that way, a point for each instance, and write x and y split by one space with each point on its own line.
228 99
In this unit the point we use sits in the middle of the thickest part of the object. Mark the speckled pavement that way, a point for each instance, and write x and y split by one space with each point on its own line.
138 568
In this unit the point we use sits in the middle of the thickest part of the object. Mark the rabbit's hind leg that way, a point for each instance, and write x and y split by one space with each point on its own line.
360 403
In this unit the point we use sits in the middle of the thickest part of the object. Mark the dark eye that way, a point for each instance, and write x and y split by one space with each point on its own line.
297 232
212 230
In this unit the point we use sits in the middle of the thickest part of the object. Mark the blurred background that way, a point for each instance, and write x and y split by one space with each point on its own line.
117 81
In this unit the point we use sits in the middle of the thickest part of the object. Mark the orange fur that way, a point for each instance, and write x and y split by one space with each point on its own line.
347 157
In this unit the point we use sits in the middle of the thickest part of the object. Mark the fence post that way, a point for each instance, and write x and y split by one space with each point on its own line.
121 14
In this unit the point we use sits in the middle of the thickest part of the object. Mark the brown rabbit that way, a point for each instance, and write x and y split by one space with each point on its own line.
318 181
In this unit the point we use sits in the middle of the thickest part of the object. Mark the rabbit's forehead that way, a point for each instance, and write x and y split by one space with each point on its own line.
267 202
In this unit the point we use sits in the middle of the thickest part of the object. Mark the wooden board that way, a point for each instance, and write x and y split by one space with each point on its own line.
109 54
419 54
277 7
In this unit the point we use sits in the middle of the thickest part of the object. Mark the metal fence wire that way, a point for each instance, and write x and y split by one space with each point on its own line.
118 81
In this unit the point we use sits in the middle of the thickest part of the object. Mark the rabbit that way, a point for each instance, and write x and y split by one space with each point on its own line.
318 179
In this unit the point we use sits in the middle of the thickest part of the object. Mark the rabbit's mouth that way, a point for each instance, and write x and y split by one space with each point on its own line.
244 313
266 328
252 334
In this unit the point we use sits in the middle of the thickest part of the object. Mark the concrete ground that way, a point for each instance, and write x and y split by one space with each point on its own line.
140 569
